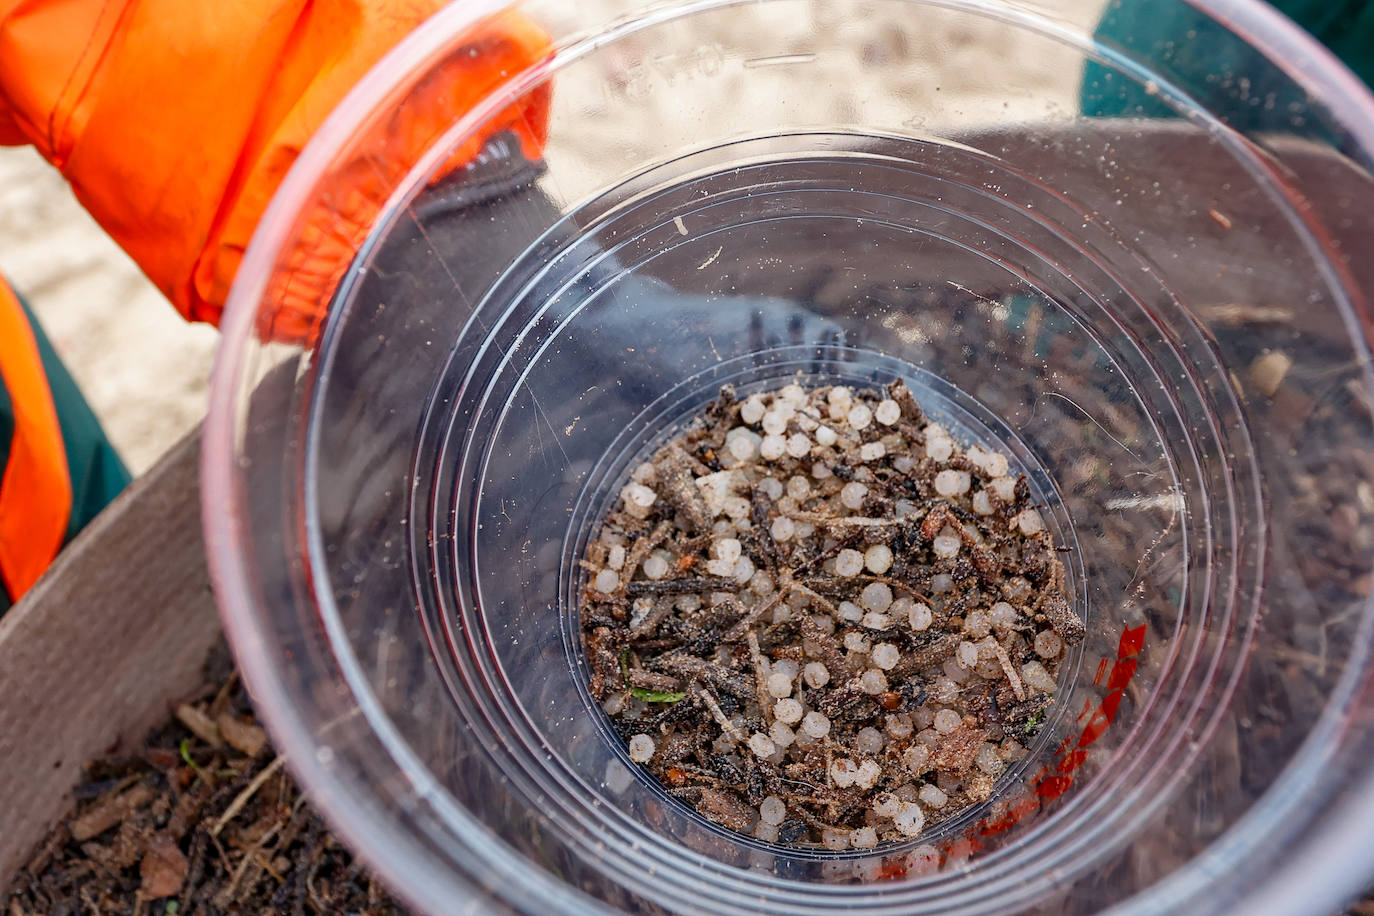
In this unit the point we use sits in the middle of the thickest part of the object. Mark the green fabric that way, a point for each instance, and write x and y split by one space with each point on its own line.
1225 75
96 471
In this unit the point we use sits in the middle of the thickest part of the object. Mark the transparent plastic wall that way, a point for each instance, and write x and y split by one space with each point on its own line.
1137 268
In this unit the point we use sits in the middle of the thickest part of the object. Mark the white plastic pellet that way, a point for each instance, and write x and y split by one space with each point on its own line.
1048 645
875 621
737 507
852 495
1004 488
751 411
967 655
766 832
779 685
834 839
820 470
920 617
786 667
762 584
910 819
723 568
782 734
1036 677
850 611
923 860
615 557
774 423
727 549
944 690
1029 522
1010 749
955 671
916 757
859 417
977 624
869 774
641 748
952 483
878 559
744 570
843 772
855 641
982 505
885 655
886 804
932 797
898 725
904 463
876 596
772 487
863 838
887 412
816 675
772 448
815 724
783 528
946 721
787 710
606 581
939 448
743 446
873 682
989 761
773 810
872 451
838 393
762 745
869 741
1003 616
798 487
798 445
945 546
826 436
941 583
824 622
615 703
638 499
849 563
996 464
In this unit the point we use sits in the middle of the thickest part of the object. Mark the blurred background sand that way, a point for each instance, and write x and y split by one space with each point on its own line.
145 370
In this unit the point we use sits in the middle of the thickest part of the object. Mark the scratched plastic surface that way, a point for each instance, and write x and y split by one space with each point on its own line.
1155 301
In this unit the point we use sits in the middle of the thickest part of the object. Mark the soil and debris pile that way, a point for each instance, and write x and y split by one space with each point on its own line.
204 820
817 619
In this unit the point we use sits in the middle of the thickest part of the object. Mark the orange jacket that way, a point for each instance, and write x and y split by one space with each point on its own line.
174 121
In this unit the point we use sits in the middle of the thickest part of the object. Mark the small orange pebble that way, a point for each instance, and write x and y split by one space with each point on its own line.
686 561
709 454
1221 219
676 775
891 700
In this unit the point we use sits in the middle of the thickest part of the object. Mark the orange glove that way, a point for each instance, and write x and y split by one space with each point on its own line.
175 121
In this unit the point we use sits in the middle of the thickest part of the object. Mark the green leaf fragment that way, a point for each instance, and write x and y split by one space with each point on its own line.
656 696
185 748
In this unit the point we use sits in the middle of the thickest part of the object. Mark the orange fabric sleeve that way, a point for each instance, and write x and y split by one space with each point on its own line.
35 491
175 121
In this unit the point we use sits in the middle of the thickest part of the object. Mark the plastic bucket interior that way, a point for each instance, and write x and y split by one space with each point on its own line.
1136 264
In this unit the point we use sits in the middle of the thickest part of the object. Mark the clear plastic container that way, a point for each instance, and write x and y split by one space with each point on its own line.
1144 278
